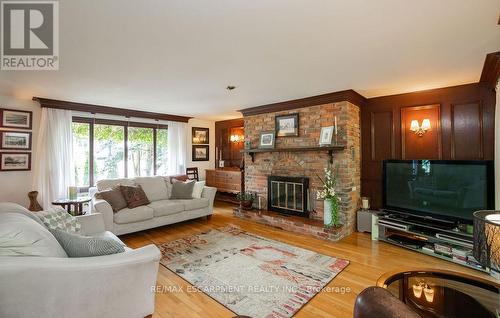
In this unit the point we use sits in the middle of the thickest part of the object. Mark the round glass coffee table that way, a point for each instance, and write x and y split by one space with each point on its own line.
435 293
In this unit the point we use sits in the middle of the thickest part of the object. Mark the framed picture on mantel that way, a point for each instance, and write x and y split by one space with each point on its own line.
287 125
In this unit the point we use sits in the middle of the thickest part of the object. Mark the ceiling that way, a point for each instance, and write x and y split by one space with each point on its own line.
178 56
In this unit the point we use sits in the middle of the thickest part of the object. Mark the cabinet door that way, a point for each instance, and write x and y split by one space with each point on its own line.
210 178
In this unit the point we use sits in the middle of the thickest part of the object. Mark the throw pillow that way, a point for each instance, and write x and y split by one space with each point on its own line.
154 187
58 218
198 189
134 195
182 190
114 197
86 246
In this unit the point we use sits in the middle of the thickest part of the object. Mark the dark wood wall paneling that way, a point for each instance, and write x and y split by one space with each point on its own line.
462 121
230 151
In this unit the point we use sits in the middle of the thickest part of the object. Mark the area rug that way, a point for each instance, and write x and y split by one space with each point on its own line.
249 274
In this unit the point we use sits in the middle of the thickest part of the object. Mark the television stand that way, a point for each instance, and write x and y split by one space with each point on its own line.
439 239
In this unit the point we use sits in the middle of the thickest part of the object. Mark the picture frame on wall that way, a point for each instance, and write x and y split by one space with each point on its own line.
201 153
15 140
10 118
326 136
287 125
200 135
15 161
266 139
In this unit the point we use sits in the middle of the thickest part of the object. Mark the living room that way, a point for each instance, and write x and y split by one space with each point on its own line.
264 159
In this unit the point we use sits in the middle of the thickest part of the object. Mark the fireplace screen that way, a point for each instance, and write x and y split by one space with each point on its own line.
288 195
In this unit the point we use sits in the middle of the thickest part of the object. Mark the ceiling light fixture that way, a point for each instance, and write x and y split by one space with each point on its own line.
230 87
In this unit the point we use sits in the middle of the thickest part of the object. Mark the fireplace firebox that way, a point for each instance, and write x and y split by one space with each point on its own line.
288 195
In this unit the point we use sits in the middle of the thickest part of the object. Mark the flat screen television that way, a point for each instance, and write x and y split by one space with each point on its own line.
450 190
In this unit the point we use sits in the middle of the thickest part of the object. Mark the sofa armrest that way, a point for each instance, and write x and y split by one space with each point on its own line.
379 302
103 207
91 223
118 285
209 193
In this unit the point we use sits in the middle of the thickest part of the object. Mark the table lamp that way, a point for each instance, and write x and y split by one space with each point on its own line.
487 240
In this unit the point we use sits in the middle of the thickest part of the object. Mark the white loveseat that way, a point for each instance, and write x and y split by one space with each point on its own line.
161 211
118 285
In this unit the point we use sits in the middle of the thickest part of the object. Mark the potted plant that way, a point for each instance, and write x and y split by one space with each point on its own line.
246 200
331 199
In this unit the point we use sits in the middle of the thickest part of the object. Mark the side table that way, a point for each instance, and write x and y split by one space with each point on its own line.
76 204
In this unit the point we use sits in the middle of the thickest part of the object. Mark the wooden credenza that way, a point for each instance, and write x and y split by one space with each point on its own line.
225 180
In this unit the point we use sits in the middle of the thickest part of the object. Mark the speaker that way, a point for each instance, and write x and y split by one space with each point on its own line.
364 221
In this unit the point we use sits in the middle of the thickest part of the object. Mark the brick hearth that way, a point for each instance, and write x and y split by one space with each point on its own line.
294 224
311 163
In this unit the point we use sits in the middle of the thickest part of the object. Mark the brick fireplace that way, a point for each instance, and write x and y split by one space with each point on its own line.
311 163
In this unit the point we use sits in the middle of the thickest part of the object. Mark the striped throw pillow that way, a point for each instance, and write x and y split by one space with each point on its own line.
86 246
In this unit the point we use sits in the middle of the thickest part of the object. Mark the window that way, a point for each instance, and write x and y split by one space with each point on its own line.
81 149
109 151
140 152
114 149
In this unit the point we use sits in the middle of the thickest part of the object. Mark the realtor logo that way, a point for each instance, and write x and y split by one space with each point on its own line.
30 35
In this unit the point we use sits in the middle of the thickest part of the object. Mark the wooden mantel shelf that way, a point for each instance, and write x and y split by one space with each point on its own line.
329 149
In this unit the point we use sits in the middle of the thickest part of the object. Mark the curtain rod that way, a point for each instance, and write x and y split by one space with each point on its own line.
98 109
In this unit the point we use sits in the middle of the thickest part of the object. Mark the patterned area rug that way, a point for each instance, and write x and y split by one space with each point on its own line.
249 274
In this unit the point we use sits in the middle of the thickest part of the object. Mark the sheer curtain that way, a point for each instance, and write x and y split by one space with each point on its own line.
497 149
54 170
176 147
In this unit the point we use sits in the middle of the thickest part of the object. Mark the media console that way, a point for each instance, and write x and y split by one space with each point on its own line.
437 238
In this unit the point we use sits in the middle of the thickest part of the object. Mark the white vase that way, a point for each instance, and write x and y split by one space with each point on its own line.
327 212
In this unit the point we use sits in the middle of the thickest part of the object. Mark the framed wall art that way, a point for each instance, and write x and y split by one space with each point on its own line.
10 118
200 135
15 161
201 153
287 125
15 140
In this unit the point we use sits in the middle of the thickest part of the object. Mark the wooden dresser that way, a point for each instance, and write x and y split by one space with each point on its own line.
225 180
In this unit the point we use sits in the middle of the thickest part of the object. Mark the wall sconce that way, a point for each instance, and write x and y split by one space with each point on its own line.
420 130
236 138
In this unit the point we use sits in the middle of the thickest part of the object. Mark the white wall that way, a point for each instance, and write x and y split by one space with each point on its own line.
202 165
15 185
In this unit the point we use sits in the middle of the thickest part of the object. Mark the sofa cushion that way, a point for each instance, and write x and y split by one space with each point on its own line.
167 207
58 218
134 195
106 184
127 215
9 207
182 190
198 189
114 197
22 236
194 204
154 187
87 246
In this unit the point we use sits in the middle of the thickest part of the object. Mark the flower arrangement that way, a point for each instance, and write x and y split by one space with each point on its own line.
332 200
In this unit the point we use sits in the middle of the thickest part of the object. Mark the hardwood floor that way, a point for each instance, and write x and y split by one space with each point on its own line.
369 259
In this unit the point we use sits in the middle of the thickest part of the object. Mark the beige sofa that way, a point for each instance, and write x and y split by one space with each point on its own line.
51 284
161 211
